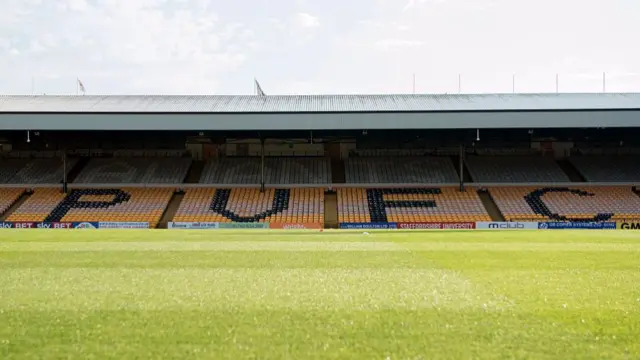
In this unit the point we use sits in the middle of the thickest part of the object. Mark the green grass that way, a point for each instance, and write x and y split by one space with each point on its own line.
311 295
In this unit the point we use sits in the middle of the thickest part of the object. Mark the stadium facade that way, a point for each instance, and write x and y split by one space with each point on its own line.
495 161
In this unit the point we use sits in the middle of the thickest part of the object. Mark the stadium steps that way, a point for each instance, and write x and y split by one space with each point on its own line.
25 195
337 171
76 170
331 210
195 172
171 209
571 171
456 164
490 206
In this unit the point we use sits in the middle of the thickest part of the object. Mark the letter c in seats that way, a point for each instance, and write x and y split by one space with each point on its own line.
536 202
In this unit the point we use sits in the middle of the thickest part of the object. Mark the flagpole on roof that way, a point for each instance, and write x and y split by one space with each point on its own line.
414 83
80 87
258 88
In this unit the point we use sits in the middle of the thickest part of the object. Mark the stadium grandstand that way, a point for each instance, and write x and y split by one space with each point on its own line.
319 161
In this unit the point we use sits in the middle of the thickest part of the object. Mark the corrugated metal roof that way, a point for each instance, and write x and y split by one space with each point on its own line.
317 103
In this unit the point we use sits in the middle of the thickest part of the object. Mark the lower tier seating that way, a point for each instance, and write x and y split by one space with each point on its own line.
410 205
567 204
250 205
8 197
418 205
94 205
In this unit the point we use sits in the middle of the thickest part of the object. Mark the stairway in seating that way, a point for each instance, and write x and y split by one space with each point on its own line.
171 209
25 195
77 169
337 171
331 210
456 164
571 171
195 172
490 206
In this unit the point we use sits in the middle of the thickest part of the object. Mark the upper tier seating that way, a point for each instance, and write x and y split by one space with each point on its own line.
37 171
9 168
567 204
607 168
94 205
8 197
43 171
410 170
410 205
514 169
278 171
250 205
135 171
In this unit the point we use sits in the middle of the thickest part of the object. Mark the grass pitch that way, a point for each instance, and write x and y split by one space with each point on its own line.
310 295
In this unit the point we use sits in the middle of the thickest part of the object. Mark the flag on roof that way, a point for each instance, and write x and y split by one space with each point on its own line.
259 91
81 86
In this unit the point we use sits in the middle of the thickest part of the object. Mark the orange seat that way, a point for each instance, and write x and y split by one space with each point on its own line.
8 197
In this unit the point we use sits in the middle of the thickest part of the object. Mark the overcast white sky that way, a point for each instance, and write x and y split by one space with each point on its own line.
319 46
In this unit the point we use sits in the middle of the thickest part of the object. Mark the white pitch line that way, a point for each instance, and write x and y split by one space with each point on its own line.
201 246
312 246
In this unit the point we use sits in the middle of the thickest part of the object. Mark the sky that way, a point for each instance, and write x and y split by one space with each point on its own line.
318 47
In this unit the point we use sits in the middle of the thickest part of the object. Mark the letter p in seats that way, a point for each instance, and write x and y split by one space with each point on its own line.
74 201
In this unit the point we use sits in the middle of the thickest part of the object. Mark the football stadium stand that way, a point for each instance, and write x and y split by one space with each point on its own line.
251 205
94 205
278 171
400 170
514 169
604 203
222 169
